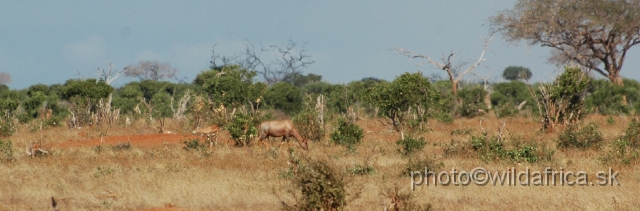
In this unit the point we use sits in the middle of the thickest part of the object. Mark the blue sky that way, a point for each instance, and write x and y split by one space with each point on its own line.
52 41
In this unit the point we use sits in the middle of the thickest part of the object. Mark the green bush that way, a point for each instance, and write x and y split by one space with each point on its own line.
508 95
445 118
472 101
307 122
322 187
488 147
122 146
410 145
347 134
605 97
462 131
581 138
403 201
611 121
193 144
491 148
419 163
6 128
6 148
242 129
625 148
359 169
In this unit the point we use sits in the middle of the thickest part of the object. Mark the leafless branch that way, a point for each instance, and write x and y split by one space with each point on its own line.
108 75
453 71
150 70
285 63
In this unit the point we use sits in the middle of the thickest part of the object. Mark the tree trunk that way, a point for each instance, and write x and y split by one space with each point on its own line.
454 87
614 76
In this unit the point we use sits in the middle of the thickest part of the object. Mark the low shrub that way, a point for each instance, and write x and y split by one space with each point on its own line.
410 145
122 146
347 134
321 187
6 148
491 148
419 163
624 149
359 169
242 129
307 125
193 144
580 137
401 200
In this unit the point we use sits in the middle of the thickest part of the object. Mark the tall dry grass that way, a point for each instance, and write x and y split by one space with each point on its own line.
252 178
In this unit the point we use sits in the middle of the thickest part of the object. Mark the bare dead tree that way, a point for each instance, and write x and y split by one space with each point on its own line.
486 85
284 63
109 75
150 70
182 106
5 78
218 60
454 71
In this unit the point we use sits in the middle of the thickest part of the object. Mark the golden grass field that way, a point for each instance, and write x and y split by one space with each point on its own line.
161 175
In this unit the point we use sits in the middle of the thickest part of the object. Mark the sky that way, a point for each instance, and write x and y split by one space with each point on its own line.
50 42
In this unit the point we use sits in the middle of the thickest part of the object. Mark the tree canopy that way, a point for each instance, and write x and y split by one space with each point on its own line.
516 72
596 34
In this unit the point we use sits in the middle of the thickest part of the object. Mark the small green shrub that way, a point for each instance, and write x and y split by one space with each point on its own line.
472 101
581 138
6 128
402 201
462 131
101 172
322 187
493 149
632 133
457 148
193 144
99 148
445 118
419 163
347 134
410 145
6 148
611 121
307 125
625 149
359 169
122 146
242 129
488 147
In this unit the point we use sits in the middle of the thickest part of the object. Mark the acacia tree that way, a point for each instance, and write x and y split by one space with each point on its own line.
516 72
454 71
586 32
397 99
150 70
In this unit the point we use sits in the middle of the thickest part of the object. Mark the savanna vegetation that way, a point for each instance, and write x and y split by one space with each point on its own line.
366 136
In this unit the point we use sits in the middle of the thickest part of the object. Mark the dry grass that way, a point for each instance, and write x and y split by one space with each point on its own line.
232 178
